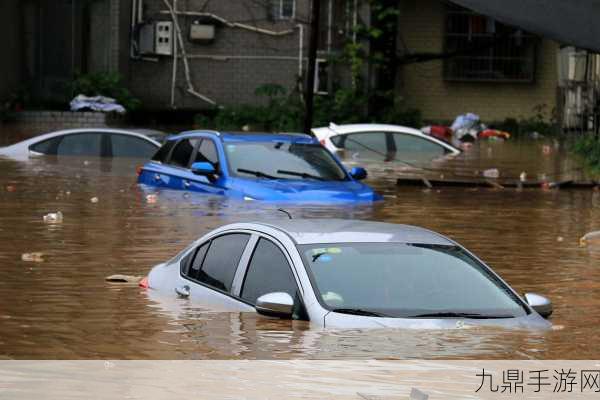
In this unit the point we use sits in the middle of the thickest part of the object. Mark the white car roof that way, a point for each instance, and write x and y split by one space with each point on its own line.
334 129
25 144
352 128
315 231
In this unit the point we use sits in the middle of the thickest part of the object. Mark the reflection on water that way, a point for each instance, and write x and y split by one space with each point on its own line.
63 308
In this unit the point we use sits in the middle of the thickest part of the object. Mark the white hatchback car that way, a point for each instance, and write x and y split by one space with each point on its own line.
346 274
379 142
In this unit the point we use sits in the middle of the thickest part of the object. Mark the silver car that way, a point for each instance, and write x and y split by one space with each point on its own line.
346 274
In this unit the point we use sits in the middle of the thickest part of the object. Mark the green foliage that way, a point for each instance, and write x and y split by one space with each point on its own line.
589 148
538 122
285 113
104 84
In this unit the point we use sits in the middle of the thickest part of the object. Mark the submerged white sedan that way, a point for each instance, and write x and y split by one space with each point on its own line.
365 143
85 142
346 274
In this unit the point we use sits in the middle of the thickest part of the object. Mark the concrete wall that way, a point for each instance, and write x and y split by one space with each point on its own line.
229 69
422 24
11 66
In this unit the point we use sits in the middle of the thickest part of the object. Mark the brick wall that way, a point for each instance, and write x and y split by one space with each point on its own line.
229 69
54 120
422 86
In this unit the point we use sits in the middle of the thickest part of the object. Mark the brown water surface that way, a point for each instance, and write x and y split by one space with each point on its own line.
62 307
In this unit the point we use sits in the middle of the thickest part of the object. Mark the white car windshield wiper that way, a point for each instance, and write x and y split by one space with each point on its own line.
303 175
460 315
258 174
359 311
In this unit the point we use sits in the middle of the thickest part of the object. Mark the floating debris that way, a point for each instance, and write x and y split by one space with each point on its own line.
53 218
94 200
33 257
560 239
491 173
11 188
151 198
128 279
590 239
523 176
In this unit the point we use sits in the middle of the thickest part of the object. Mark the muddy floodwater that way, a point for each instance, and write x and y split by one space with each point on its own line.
58 305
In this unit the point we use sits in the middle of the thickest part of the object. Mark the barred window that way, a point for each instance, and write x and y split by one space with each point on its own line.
284 9
487 50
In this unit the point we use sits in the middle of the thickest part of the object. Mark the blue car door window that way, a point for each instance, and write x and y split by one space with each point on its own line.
162 153
207 152
222 259
181 154
268 272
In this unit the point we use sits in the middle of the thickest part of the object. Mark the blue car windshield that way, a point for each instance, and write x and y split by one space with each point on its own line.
407 281
282 160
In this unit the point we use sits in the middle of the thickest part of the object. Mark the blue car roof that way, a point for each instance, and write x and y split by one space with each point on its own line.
249 137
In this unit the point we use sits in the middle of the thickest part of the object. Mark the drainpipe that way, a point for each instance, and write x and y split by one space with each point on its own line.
174 72
300 50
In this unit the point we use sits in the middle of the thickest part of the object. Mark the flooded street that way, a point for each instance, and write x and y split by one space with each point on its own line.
62 308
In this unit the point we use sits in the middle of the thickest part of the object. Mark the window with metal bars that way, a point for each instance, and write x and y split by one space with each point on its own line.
486 50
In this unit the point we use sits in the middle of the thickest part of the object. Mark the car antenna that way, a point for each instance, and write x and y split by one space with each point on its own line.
285 212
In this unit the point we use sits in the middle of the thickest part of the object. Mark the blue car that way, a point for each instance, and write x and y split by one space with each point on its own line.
269 167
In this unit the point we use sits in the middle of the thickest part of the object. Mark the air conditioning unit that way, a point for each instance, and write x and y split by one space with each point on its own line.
156 38
202 32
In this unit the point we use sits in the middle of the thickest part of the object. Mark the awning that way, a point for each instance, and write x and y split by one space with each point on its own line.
570 22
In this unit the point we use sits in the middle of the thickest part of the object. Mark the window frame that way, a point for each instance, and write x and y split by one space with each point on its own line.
109 144
240 274
189 261
279 7
192 154
288 260
449 75
197 149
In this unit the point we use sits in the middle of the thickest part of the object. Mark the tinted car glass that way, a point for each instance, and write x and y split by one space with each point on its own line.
82 144
221 261
193 267
268 272
369 145
403 280
47 146
415 147
162 153
282 161
130 146
207 152
183 152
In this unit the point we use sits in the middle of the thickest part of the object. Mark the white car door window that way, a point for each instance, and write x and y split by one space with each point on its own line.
410 147
367 145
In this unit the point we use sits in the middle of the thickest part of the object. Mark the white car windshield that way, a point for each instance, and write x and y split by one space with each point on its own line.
407 280
281 160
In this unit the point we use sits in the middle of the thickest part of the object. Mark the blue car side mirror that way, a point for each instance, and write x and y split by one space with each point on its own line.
358 173
203 168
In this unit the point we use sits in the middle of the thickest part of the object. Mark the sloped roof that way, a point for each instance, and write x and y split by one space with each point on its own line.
571 22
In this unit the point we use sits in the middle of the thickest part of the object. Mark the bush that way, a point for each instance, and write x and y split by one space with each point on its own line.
285 112
589 148
104 84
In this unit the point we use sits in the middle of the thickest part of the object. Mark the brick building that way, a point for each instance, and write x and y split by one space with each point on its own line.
507 80
233 47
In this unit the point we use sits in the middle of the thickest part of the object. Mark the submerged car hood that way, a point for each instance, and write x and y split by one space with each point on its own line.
305 190
339 320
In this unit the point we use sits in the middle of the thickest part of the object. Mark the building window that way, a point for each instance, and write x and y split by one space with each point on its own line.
284 9
321 77
486 49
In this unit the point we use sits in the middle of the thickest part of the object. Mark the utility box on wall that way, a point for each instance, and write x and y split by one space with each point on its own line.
156 38
202 32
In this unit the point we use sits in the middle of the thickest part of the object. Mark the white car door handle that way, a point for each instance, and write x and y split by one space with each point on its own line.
183 291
